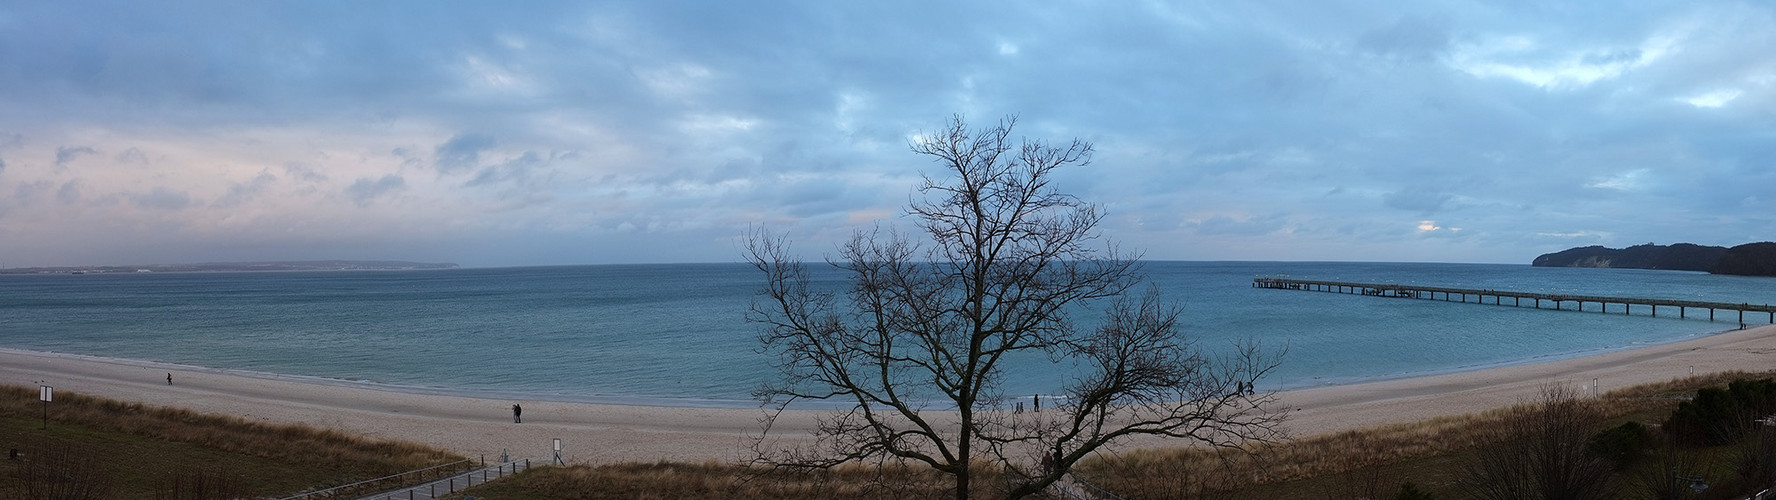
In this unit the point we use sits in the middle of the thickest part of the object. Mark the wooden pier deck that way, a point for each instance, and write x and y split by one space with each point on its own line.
1517 298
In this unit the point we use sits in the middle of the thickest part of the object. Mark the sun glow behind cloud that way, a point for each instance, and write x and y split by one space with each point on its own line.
1523 59
1713 99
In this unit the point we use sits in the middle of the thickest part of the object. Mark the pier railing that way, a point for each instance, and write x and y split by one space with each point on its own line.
1517 298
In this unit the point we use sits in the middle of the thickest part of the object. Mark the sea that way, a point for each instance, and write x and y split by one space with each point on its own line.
676 334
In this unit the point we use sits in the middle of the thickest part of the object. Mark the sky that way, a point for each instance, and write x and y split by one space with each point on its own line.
586 132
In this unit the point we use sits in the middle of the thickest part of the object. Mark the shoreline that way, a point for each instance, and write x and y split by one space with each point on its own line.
723 403
1532 360
613 432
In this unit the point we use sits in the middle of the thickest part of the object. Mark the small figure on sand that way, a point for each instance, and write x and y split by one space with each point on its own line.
517 414
1036 402
169 378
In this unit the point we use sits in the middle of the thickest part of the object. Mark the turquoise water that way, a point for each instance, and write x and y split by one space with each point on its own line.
675 334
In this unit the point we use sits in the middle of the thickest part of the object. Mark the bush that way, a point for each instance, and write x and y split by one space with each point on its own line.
1409 491
1755 396
1543 453
1622 445
1720 416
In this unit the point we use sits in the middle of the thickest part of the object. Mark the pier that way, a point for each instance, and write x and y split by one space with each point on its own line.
1517 298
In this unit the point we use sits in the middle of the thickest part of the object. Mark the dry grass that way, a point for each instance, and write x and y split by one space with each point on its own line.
1199 472
715 480
1368 462
142 449
289 442
1353 460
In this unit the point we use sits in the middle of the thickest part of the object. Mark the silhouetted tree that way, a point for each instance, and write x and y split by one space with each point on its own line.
1543 455
917 347
1669 471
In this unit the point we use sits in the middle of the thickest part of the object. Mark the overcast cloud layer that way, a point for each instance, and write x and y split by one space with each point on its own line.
579 132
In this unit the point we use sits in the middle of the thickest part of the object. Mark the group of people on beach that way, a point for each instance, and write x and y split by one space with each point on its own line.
1245 389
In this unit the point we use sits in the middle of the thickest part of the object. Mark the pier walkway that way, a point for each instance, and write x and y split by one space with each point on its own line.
1517 298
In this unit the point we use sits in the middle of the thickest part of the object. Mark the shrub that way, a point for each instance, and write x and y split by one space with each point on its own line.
1622 445
1410 491
1543 455
63 471
1756 396
1719 416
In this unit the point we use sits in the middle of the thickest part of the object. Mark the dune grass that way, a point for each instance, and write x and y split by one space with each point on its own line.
1359 462
718 480
1372 463
129 450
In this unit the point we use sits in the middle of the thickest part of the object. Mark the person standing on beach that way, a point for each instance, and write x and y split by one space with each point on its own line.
517 414
169 378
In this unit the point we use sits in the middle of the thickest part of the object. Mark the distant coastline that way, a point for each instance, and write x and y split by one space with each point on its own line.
237 267
1751 259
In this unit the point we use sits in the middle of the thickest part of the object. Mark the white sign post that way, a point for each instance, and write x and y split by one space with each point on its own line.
558 452
45 394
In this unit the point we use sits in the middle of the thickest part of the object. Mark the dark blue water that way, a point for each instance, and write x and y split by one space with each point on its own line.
675 334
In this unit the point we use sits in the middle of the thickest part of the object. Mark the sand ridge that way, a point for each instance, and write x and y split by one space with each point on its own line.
603 433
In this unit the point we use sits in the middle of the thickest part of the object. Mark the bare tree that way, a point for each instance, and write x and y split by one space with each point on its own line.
915 349
1670 471
1544 453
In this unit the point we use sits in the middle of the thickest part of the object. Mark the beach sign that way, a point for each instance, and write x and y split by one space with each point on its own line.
45 393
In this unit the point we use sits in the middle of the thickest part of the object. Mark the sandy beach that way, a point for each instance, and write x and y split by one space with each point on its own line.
601 433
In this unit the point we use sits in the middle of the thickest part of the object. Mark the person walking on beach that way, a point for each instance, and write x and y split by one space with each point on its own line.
517 414
169 378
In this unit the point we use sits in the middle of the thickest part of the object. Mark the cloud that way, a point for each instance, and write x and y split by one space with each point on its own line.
242 192
516 169
1411 37
1418 200
462 151
365 190
161 198
303 172
1713 99
64 154
1591 235
1633 180
1527 60
1292 131
1251 226
132 155
69 193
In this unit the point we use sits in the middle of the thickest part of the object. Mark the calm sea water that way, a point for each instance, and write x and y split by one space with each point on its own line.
675 334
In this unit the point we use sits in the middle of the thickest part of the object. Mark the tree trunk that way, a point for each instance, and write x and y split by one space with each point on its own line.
964 456
962 485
